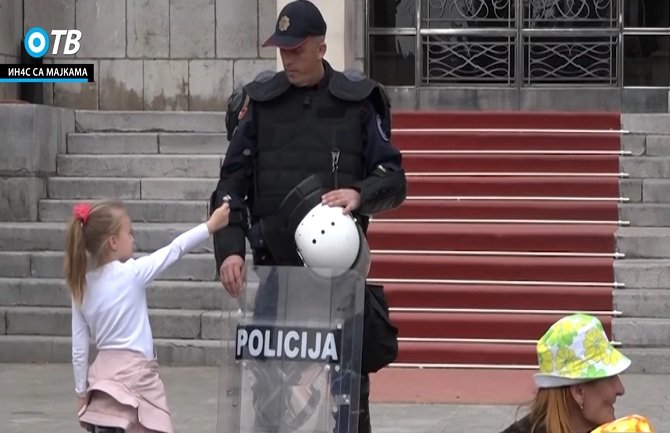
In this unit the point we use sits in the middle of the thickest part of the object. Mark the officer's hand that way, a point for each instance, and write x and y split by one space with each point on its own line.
233 274
348 198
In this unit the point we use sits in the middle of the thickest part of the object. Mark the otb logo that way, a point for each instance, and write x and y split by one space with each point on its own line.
37 41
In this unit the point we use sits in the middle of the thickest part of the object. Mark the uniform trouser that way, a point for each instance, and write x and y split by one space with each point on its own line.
265 308
363 410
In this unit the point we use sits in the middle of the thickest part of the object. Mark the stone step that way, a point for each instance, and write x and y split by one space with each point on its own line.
631 188
44 264
198 352
165 211
645 214
81 188
148 121
644 242
188 295
147 143
49 236
649 123
643 302
656 190
133 166
642 331
646 166
148 188
642 273
658 145
54 349
634 143
648 360
165 323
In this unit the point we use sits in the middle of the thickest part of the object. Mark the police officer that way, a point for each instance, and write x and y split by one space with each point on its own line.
308 120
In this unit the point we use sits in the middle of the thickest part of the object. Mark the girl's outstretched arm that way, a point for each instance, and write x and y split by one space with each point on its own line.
148 267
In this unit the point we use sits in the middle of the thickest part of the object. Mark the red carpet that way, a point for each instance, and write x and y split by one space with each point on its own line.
510 209
401 385
506 119
545 141
515 186
511 163
509 224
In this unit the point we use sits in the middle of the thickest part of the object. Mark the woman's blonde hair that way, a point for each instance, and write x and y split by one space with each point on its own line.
88 231
551 409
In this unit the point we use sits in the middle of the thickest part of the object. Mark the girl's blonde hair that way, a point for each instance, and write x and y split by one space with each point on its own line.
88 231
551 409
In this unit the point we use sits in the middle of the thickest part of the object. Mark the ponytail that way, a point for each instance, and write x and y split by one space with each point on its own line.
75 260
87 233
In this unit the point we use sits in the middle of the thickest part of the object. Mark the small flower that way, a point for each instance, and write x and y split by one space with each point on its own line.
545 360
612 357
595 344
594 372
565 359
562 334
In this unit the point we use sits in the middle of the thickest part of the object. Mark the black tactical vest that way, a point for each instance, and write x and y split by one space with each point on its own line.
302 132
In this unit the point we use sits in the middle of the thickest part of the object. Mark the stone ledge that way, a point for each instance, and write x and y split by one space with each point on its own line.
48 349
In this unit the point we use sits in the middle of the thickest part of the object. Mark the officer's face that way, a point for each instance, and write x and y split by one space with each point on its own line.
303 65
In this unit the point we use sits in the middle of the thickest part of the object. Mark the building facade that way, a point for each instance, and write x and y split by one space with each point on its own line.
450 54
510 54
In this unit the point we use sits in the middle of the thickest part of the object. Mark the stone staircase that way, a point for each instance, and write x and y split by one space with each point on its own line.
509 224
644 298
164 166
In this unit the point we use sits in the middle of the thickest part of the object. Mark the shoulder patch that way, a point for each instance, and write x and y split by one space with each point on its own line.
244 109
380 128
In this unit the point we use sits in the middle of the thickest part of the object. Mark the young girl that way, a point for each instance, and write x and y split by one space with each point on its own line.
122 388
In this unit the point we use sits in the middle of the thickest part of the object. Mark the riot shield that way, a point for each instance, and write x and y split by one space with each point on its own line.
292 355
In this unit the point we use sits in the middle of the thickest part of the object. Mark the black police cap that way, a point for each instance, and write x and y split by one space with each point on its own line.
297 21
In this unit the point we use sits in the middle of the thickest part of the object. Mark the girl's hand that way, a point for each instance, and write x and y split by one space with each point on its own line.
219 218
81 401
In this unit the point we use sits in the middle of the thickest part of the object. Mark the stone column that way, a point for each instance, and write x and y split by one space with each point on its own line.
340 37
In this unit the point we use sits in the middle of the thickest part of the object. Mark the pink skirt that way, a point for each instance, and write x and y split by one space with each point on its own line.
125 391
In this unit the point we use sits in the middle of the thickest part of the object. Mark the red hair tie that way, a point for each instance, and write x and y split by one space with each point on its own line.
81 211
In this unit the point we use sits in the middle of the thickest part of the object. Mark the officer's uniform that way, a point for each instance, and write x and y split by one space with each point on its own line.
338 130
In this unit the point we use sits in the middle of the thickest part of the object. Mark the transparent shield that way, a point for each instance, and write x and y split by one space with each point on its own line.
292 352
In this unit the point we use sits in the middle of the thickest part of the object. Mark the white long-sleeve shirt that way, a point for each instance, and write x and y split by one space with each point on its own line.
114 310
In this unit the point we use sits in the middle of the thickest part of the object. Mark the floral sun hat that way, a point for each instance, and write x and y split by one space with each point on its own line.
627 424
576 349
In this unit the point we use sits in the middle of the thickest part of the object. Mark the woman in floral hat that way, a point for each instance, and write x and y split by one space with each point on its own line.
578 382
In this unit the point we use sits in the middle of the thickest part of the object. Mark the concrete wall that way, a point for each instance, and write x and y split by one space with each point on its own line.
154 54
11 31
31 137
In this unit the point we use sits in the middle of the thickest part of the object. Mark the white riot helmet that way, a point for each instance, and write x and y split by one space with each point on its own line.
328 239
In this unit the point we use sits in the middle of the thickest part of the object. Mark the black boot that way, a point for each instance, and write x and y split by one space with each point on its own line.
364 406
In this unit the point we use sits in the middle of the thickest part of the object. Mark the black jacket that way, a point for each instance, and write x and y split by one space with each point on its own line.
382 183
524 425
